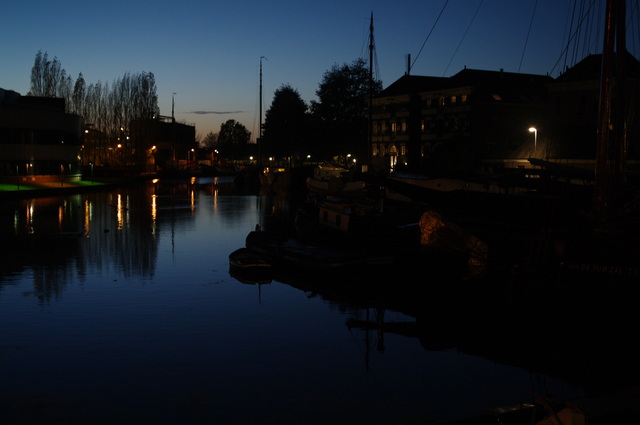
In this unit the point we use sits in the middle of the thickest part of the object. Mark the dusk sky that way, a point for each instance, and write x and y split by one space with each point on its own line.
208 52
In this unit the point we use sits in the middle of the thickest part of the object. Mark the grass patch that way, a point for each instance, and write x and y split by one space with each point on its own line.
4 187
87 183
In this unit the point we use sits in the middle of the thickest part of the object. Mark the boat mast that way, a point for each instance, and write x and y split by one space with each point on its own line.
260 113
611 141
370 120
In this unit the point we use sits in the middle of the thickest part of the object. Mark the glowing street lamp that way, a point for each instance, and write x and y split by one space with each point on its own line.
535 137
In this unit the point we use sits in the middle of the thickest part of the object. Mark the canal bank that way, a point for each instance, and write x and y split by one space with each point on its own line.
46 187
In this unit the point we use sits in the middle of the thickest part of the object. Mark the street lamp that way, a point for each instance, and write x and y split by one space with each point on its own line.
535 137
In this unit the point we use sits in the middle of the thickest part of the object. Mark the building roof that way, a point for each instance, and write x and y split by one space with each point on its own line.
412 84
590 68
12 99
510 86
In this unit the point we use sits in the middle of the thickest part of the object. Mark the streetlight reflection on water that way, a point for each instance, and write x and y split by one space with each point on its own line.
197 337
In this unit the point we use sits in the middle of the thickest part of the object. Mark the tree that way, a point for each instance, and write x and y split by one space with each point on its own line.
78 97
286 123
210 140
341 112
48 79
233 138
232 133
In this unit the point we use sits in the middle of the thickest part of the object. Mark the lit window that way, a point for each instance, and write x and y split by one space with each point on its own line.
453 100
463 98
403 126
441 101
393 128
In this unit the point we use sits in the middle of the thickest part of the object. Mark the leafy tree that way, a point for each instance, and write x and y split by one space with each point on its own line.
286 123
341 112
232 133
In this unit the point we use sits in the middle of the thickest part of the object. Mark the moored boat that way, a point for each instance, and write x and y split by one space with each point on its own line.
291 255
248 265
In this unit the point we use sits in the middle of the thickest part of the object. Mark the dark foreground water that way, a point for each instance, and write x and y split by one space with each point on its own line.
118 308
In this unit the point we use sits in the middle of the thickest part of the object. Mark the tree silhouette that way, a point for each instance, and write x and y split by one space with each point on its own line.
232 138
286 124
341 113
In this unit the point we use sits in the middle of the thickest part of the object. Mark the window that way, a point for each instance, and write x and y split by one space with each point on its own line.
441 101
375 127
453 100
403 126
393 127
463 98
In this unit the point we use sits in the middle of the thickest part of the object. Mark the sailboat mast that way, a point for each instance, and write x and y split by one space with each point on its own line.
260 113
611 143
370 120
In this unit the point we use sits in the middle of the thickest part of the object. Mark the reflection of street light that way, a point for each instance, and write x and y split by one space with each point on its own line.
535 137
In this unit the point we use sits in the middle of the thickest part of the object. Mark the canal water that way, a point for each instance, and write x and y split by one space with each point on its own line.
117 307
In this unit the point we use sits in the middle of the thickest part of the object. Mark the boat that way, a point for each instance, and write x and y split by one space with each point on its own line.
249 266
334 186
313 260
333 180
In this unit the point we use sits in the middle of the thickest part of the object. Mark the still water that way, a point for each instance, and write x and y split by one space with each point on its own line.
117 307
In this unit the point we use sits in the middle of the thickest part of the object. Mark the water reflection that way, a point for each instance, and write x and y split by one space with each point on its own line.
136 316
59 238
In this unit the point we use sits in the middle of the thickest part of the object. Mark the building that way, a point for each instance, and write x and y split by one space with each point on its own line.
479 121
165 143
38 140
456 124
574 103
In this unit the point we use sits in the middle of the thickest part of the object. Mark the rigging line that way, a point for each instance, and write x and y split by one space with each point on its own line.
463 37
526 41
572 35
633 11
428 35
375 65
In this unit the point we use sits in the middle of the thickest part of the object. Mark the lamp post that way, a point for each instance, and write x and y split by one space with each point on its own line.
535 138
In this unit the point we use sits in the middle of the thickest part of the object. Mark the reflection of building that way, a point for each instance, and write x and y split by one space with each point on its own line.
167 144
37 137
452 123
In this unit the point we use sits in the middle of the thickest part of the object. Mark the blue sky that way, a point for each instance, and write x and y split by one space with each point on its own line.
208 52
